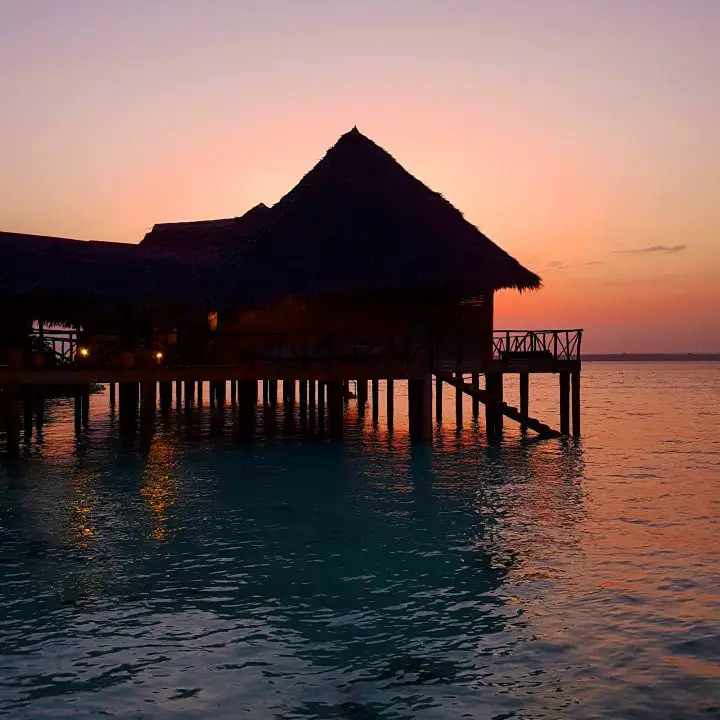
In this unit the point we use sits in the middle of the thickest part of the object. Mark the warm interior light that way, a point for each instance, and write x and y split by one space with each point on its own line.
159 355
84 352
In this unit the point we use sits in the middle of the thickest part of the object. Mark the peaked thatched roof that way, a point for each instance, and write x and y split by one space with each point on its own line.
359 222
226 234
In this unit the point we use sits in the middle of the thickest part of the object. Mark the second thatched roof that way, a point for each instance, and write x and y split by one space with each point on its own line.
360 223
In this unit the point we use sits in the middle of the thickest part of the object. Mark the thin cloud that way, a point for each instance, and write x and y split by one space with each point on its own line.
655 249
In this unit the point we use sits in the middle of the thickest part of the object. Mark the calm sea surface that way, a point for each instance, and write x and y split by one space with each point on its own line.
297 578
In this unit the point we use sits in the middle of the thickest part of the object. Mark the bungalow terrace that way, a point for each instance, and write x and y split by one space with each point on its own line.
360 272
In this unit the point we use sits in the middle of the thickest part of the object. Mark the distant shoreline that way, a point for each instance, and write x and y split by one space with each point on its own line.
653 357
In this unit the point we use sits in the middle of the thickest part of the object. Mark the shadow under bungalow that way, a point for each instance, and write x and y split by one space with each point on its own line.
359 273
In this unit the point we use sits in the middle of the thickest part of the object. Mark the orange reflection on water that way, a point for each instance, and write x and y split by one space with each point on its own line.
81 507
160 485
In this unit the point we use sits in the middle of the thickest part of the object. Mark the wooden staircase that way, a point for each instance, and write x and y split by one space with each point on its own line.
508 411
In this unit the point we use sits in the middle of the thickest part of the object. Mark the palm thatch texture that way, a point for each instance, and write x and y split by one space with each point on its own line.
207 235
59 269
359 223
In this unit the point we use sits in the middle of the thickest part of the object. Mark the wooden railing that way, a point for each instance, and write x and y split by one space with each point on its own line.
59 345
536 344
228 347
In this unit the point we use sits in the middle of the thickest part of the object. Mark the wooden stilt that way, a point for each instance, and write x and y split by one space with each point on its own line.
220 393
247 397
289 392
576 403
40 408
148 401
321 405
77 408
438 399
265 393
200 393
272 391
178 394
165 397
85 404
493 425
475 402
28 410
335 408
112 394
303 390
12 420
390 403
420 409
565 403
362 397
189 393
458 402
375 401
233 392
128 395
524 397
312 396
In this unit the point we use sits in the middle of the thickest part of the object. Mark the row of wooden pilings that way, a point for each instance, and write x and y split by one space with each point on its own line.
322 401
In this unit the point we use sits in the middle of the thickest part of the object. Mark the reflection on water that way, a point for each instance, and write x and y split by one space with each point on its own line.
215 575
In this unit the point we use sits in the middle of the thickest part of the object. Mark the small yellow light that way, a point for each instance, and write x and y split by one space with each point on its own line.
159 355
84 352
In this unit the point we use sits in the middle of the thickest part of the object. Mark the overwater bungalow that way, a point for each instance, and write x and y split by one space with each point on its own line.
360 272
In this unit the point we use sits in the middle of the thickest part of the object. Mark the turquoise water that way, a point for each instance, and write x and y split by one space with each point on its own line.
292 577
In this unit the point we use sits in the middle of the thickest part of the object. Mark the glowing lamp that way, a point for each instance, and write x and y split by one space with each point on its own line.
159 355
84 352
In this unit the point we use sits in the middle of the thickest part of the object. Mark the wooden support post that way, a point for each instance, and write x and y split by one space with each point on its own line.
375 401
265 393
493 425
40 408
390 403
77 407
524 397
475 401
420 409
128 395
112 394
576 403
28 409
312 398
565 403
321 405
233 392
165 397
189 393
438 399
459 401
178 393
200 393
303 389
85 404
362 395
335 408
289 392
247 397
148 401
12 421
272 392
220 393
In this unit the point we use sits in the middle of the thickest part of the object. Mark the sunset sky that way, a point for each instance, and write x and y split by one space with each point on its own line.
583 136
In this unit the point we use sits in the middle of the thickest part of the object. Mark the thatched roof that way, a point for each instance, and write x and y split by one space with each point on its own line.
63 269
359 222
226 234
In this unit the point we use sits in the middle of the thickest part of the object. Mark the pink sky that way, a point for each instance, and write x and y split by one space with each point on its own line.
580 136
